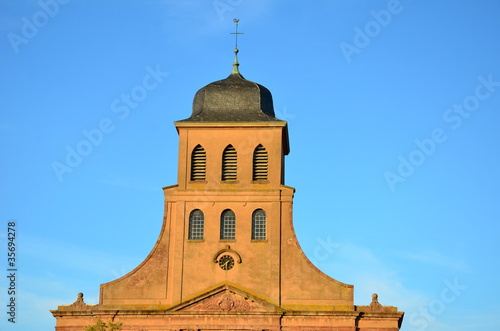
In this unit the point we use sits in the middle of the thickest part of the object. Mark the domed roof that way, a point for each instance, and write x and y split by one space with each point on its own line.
233 99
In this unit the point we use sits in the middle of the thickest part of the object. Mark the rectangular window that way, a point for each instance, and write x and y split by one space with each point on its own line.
228 225
196 225
259 225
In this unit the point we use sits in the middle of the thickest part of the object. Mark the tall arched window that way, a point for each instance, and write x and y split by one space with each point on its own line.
260 163
259 225
227 225
198 163
229 163
196 224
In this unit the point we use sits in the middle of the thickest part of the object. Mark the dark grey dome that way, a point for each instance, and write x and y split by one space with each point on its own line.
233 99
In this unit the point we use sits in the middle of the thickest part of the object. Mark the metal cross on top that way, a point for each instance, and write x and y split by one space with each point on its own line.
236 33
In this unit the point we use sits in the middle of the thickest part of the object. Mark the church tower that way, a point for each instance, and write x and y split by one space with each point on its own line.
227 257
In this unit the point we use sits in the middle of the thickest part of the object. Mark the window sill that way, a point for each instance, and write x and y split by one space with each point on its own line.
259 241
195 241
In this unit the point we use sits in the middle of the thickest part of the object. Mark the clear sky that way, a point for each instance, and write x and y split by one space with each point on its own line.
394 120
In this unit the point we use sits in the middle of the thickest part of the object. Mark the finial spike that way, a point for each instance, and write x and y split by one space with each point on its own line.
235 63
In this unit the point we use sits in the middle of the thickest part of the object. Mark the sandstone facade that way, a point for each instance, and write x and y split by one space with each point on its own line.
227 257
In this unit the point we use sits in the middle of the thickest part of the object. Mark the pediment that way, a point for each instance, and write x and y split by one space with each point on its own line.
226 298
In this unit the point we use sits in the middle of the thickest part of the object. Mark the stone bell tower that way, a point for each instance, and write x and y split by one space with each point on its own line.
227 257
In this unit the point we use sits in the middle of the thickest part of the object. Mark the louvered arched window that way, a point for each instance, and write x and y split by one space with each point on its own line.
260 163
227 224
198 163
196 224
229 163
259 225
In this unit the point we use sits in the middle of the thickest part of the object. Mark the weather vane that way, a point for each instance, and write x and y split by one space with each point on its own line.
236 33
235 63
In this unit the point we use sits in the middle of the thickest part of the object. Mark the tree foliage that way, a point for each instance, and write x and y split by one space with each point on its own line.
103 326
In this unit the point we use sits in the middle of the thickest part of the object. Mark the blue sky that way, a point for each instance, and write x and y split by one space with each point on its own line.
393 111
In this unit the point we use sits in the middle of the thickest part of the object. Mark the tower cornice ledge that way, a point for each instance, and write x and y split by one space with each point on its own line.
278 123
